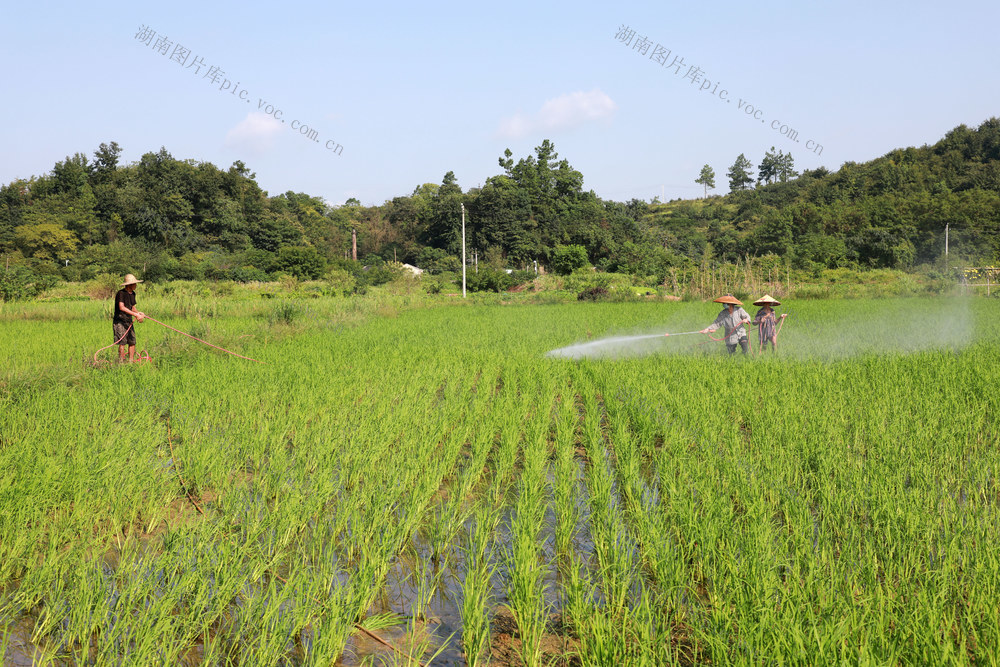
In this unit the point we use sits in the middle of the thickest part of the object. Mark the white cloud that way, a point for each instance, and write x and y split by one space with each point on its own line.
254 133
560 113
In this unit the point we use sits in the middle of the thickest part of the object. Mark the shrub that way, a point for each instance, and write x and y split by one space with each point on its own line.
488 279
378 275
189 267
523 276
262 259
102 286
285 312
248 274
302 262
583 278
568 258
349 265
340 281
159 267
72 273
16 283
592 294
435 261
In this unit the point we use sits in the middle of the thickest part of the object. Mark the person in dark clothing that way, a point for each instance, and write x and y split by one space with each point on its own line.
124 310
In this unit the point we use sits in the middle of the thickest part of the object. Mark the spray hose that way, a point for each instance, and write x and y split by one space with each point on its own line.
205 342
147 317
760 331
112 344
730 332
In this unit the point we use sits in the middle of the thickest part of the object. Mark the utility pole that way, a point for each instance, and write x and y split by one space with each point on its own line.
946 226
354 244
463 250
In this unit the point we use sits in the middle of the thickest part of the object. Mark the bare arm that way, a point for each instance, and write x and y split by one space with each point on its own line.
137 313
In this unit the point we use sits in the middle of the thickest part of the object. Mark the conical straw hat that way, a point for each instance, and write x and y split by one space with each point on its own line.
130 280
729 298
767 300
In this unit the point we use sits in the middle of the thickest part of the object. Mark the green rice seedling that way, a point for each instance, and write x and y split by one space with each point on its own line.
526 594
428 577
833 503
477 590
421 644
330 629
527 586
565 488
5 639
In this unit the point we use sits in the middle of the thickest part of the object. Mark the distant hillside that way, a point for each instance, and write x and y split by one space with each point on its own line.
889 212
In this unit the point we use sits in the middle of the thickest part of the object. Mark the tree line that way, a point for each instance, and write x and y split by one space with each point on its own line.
173 218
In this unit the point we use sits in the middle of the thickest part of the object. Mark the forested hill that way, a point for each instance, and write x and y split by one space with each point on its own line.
183 219
889 212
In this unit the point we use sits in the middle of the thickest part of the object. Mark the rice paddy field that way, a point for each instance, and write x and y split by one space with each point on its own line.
398 484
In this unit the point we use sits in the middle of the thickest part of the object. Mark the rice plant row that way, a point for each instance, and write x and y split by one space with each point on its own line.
430 478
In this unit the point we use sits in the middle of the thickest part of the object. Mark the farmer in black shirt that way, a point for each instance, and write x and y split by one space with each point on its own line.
122 320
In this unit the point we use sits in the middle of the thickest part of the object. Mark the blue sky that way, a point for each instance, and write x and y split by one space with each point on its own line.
411 91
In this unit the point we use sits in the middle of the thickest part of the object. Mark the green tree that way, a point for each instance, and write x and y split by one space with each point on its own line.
47 240
767 170
71 175
274 232
444 216
301 262
74 213
738 174
881 248
106 161
774 235
706 178
501 216
568 258
786 167
14 199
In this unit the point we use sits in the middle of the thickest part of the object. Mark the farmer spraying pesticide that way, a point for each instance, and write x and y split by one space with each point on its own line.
766 321
732 317
124 308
